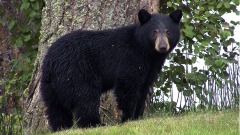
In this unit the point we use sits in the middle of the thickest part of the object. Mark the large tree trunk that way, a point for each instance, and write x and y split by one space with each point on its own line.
60 17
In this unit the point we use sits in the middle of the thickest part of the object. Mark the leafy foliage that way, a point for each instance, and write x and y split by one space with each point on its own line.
22 21
8 124
205 57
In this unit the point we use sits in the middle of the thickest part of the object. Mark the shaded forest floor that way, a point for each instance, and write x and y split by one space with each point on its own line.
201 123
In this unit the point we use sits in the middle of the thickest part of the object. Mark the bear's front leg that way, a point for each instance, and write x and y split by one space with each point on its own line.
141 101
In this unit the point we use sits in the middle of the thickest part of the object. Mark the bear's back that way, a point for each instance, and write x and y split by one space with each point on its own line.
95 53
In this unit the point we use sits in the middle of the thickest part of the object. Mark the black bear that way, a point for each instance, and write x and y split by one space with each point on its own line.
82 65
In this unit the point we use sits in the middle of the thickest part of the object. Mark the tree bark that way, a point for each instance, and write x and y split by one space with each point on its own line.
63 16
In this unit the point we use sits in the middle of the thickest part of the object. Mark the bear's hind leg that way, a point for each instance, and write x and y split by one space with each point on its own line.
86 111
59 117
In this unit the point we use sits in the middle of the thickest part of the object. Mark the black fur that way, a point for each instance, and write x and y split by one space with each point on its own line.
82 65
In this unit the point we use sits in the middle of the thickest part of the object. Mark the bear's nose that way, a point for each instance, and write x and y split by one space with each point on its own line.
163 49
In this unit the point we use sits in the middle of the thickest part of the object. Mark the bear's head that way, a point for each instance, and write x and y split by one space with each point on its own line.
160 32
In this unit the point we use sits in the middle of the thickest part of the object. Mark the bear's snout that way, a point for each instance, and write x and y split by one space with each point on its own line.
161 43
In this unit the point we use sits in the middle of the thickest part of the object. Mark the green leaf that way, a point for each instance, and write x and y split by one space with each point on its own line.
27 38
13 81
202 77
158 93
218 63
176 80
211 8
169 4
204 43
189 28
7 86
25 5
196 11
189 31
3 20
236 2
212 51
19 66
165 90
227 4
191 76
32 14
189 61
208 61
35 5
11 24
194 59
224 75
196 50
207 14
187 92
19 42
219 5
202 9
25 29
226 33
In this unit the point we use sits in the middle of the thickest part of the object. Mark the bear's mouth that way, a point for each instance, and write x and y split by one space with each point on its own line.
163 50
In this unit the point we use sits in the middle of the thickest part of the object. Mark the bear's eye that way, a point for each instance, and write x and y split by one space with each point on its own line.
167 31
155 33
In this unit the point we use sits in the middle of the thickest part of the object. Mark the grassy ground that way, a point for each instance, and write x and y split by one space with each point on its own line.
205 123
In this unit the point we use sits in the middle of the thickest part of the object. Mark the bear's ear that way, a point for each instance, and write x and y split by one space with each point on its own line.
143 16
176 15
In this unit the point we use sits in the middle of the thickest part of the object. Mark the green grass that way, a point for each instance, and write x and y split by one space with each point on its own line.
204 123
